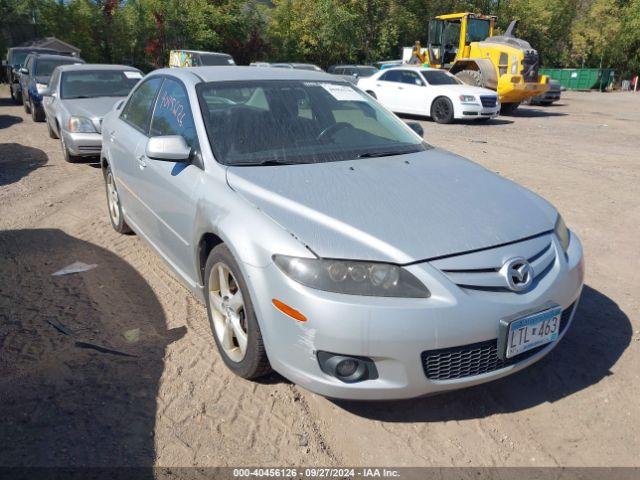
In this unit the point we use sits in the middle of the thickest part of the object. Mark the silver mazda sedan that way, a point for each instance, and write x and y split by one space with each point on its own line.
76 100
329 242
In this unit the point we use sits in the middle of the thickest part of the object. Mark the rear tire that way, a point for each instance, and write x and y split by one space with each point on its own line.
442 110
471 77
253 362
509 108
17 96
113 203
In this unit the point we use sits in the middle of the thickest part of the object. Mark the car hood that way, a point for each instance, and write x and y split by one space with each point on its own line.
464 90
43 79
398 209
93 108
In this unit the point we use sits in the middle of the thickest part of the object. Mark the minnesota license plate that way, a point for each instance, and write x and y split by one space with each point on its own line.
532 331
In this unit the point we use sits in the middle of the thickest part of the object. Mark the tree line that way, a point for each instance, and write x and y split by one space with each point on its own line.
567 33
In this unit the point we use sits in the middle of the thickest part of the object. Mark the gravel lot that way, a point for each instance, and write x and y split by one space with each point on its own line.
68 397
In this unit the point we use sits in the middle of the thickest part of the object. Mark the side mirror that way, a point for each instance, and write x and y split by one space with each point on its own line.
24 70
416 127
168 148
47 93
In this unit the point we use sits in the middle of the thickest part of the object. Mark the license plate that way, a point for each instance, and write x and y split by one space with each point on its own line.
532 331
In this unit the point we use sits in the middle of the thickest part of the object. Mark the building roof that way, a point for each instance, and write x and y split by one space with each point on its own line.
47 42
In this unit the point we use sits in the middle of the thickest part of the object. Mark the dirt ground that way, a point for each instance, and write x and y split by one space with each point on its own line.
117 365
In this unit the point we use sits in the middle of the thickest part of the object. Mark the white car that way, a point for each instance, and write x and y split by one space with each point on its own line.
428 91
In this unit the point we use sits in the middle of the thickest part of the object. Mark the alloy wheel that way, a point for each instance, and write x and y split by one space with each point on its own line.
113 200
442 110
228 312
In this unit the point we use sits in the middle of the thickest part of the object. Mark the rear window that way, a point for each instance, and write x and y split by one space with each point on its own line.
216 60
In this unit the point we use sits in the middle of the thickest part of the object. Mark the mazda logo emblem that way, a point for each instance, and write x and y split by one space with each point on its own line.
517 273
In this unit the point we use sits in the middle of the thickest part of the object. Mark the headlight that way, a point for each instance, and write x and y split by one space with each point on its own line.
352 277
467 98
40 87
81 125
562 232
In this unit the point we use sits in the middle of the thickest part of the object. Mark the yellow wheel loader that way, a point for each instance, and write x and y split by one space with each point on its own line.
463 43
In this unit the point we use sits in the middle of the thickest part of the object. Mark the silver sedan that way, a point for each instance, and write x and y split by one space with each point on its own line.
77 99
329 241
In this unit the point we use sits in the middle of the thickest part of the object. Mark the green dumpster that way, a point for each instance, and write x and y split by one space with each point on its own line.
581 78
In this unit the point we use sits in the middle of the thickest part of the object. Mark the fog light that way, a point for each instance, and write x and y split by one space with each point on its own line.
347 369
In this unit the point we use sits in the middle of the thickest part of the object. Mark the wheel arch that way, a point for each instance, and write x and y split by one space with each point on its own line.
208 241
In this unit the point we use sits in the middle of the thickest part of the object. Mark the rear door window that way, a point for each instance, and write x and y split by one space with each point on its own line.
137 111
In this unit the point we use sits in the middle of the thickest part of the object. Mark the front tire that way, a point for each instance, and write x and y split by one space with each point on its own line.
113 202
442 110
232 317
37 113
68 157
27 105
52 133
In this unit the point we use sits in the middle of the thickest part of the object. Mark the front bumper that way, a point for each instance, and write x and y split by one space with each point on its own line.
395 332
510 92
469 111
83 144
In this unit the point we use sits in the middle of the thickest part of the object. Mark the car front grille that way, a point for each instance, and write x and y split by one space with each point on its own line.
477 358
481 270
488 101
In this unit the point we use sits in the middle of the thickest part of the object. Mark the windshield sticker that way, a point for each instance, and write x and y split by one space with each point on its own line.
342 93
132 74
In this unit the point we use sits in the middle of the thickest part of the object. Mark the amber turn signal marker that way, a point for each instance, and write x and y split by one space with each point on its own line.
287 310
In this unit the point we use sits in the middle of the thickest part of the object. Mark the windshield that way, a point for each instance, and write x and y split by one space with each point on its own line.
287 121
477 30
98 83
19 57
307 66
215 60
435 77
45 66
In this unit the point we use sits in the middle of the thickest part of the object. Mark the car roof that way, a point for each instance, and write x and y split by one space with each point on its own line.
32 49
95 66
415 68
194 75
353 66
48 56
